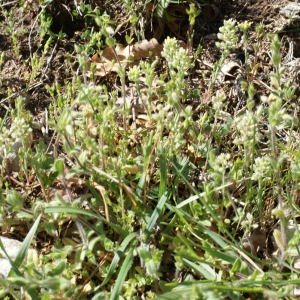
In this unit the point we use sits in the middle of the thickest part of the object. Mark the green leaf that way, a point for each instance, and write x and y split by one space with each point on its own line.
208 290
26 243
110 42
147 151
15 200
57 270
118 256
237 265
151 267
225 257
78 211
18 281
122 275
50 227
205 270
144 254
181 204
25 215
207 206
222 242
59 167
156 212
163 172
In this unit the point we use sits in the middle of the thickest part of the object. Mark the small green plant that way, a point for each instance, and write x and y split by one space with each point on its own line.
228 42
2 57
193 12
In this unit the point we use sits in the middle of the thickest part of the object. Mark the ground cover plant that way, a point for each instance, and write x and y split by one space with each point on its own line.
149 150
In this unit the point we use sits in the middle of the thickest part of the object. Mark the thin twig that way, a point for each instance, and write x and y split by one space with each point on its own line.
31 87
9 3
50 59
47 125
31 29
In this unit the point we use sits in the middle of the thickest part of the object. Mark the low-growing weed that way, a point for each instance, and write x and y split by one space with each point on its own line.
138 195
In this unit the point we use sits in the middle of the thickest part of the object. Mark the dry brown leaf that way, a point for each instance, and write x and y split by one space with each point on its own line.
122 53
210 12
108 62
258 238
142 49
229 67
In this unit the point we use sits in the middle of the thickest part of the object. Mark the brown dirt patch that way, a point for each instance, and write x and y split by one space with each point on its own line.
16 71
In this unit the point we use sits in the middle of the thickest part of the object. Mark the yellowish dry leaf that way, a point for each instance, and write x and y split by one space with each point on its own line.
110 60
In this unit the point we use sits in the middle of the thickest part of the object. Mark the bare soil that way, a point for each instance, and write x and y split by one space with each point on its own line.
15 72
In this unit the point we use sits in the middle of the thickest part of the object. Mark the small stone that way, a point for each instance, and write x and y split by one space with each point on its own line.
12 247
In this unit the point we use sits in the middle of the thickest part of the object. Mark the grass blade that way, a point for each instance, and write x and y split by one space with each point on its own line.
26 243
74 210
117 256
122 275
147 152
205 270
163 172
156 212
